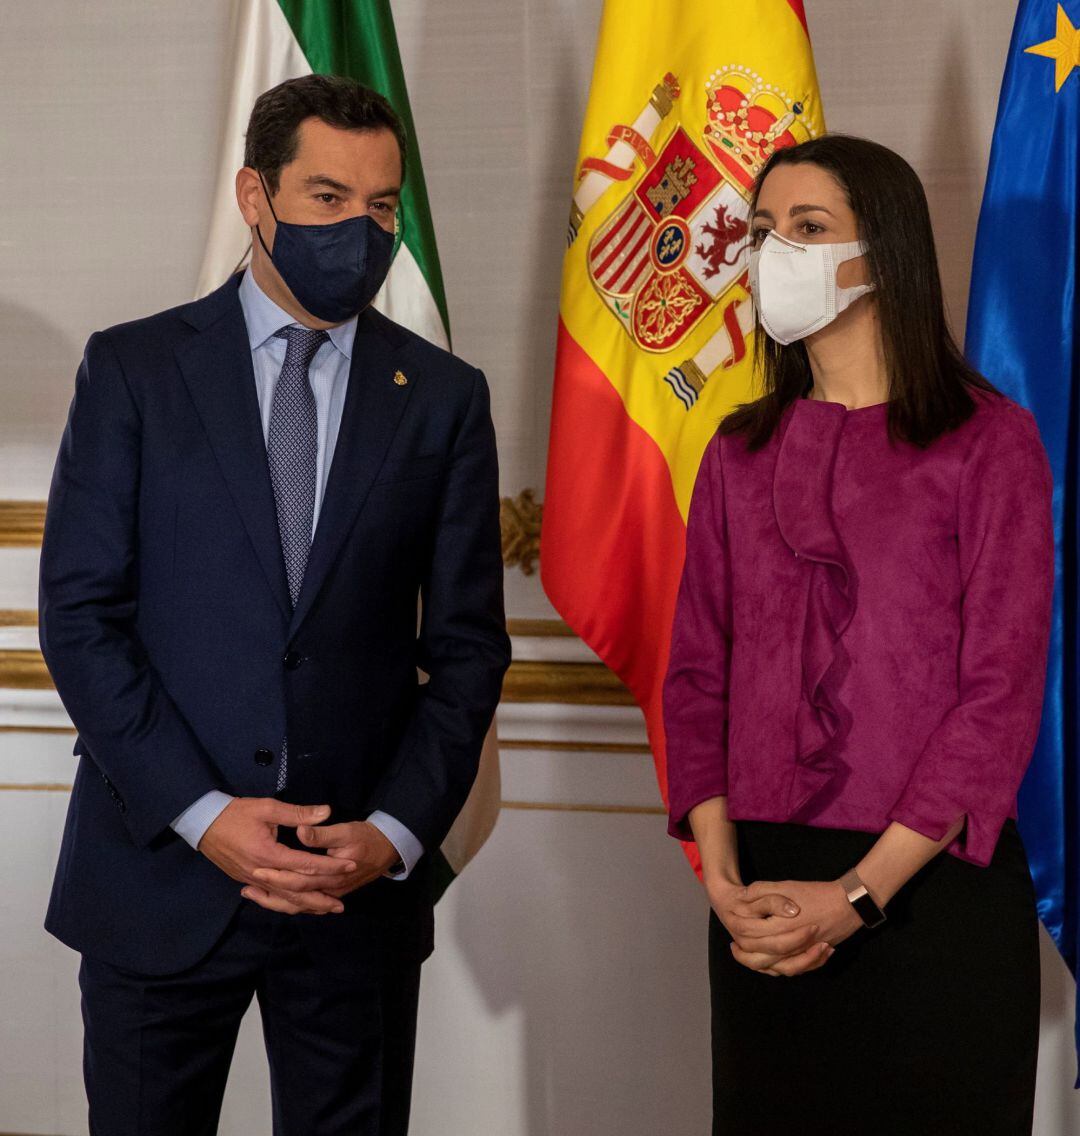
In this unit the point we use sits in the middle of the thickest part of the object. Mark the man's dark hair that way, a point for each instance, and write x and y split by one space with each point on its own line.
273 129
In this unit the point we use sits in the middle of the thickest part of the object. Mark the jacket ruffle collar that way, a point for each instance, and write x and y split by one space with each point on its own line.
802 502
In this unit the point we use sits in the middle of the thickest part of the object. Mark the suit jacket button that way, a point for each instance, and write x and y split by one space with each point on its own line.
263 757
292 660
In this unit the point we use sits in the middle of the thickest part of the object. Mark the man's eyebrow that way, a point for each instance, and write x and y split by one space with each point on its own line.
393 191
329 182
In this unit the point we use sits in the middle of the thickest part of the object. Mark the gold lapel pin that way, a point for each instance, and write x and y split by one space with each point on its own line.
400 379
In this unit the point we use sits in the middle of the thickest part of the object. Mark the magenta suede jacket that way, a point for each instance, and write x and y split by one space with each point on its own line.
861 629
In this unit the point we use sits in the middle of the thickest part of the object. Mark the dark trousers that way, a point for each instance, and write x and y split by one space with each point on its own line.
340 1049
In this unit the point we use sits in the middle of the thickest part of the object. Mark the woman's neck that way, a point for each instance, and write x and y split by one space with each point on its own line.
847 359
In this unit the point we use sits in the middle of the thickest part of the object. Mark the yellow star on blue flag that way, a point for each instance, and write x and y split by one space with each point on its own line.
1063 49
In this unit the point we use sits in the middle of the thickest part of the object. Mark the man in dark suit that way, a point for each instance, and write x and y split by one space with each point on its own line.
251 493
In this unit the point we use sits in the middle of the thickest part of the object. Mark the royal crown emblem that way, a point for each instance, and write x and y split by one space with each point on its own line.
672 253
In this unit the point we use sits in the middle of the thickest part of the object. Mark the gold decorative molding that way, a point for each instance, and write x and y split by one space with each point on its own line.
572 747
519 518
13 729
523 628
589 684
14 617
539 628
546 807
23 669
514 806
35 787
21 523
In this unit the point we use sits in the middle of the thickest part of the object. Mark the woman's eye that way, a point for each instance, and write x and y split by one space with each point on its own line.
758 235
811 229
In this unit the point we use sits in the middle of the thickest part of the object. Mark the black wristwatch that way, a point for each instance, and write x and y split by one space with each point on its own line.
865 906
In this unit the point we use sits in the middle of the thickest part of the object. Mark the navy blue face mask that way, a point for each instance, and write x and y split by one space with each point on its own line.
334 270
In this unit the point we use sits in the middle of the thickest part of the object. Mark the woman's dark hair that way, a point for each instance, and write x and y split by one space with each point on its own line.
272 133
928 375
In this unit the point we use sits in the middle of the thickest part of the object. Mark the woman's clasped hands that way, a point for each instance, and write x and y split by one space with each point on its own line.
784 928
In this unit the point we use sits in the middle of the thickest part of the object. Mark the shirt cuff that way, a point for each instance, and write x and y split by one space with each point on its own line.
193 822
407 846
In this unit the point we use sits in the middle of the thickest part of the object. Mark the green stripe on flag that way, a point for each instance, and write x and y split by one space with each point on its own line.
356 38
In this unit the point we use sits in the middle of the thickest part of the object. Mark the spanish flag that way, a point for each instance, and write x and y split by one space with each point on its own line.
687 102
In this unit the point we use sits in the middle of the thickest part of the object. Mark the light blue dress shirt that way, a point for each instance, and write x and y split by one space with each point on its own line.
329 376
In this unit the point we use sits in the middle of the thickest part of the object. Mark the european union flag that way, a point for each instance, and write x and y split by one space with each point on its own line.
1021 335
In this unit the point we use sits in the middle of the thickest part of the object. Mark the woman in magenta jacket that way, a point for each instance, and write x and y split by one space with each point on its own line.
855 684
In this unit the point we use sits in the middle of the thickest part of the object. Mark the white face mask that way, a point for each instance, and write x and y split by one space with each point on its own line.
794 286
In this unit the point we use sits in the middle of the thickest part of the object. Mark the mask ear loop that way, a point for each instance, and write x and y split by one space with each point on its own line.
273 213
854 249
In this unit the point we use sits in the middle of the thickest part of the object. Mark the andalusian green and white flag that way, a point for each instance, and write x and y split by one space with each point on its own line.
275 40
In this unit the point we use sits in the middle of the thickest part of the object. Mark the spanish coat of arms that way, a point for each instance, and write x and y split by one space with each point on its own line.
674 249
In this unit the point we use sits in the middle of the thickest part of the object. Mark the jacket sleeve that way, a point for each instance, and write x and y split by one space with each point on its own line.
463 645
973 762
696 684
88 597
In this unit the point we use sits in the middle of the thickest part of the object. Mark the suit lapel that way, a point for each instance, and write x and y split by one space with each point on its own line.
374 405
216 366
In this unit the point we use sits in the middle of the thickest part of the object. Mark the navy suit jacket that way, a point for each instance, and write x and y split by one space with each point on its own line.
166 625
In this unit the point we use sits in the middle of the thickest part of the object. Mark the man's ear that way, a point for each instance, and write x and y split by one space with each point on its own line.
249 195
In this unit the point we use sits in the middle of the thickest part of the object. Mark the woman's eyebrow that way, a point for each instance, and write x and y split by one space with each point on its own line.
795 210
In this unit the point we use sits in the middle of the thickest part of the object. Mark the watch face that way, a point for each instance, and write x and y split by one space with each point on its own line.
868 911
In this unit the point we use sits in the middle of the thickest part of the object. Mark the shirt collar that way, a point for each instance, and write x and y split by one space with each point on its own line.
263 317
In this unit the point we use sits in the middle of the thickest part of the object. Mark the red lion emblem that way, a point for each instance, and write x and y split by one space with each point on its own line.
727 232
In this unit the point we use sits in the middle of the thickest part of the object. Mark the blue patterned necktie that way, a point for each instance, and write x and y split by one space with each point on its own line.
292 449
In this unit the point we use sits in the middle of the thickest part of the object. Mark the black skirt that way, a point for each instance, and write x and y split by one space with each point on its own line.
925 1026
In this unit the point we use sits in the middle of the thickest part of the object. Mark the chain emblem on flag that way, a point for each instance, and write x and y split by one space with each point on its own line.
672 253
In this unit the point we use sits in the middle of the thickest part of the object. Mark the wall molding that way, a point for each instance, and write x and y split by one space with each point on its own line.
525 628
17 617
511 806
23 669
540 629
21 523
570 746
590 684
560 683
565 683
551 807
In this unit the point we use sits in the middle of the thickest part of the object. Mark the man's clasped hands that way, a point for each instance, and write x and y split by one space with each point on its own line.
243 843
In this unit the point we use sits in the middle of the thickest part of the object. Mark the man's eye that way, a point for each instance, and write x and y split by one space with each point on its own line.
382 206
327 198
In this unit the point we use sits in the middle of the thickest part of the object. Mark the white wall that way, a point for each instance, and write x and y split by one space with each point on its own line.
567 996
